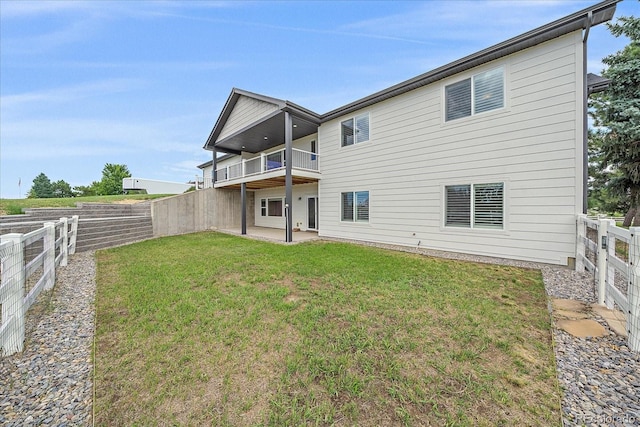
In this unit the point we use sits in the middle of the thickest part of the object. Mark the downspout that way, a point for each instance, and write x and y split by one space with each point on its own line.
585 112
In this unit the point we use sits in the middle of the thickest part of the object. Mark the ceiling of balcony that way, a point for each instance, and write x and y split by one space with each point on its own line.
265 135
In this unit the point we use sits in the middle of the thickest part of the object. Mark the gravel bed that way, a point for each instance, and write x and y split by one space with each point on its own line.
50 382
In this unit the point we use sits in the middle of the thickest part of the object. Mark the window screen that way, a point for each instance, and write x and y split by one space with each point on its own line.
347 132
488 91
488 205
458 100
362 206
347 206
275 207
458 206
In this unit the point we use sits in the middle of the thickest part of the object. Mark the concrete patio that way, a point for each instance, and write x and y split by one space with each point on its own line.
276 235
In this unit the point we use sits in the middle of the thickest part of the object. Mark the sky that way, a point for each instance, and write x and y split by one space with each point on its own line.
85 83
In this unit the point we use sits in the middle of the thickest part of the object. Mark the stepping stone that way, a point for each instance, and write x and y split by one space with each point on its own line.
568 304
582 328
573 315
615 319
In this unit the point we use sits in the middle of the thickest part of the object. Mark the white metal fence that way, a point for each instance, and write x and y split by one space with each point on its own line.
27 267
612 255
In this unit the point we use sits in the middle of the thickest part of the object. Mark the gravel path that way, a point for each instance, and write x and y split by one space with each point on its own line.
50 382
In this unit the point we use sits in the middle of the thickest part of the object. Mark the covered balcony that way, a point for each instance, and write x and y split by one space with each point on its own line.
255 128
269 169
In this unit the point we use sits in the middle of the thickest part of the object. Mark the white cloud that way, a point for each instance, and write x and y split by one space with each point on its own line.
69 93
435 21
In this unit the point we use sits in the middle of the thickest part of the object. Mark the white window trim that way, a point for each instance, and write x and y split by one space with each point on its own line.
473 114
471 228
354 119
354 220
266 199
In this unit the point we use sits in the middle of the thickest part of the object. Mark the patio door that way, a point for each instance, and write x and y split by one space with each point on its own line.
312 213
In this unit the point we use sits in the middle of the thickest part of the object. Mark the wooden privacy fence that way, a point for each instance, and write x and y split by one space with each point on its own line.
612 255
26 272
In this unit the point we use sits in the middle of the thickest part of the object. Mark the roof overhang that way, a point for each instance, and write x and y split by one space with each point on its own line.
597 83
267 131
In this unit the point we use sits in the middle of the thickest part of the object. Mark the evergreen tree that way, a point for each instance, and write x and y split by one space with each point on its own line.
617 113
61 188
41 188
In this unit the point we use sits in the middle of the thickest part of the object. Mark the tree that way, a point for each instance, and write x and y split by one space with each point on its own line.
617 113
41 188
85 190
111 182
61 188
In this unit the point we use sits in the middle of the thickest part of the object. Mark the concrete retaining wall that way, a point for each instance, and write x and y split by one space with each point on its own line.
199 211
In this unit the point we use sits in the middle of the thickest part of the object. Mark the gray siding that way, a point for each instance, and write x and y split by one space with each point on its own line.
533 145
246 111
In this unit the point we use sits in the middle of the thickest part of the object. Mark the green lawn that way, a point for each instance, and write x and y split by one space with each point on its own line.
15 206
212 329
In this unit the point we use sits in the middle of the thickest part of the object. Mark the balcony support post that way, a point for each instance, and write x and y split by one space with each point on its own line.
243 196
288 178
214 163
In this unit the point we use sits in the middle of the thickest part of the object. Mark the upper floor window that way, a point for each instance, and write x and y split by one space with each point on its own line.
477 94
355 130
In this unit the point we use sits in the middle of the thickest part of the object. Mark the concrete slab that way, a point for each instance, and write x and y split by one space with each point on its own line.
273 234
582 328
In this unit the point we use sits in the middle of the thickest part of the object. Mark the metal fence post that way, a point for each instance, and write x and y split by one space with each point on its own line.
49 249
581 234
12 296
64 245
633 292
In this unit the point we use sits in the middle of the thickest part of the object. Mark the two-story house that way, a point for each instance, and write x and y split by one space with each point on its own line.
485 155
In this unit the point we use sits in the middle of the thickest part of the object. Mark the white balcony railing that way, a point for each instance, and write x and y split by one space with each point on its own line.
267 162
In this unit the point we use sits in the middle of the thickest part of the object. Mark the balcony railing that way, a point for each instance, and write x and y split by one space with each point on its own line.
267 162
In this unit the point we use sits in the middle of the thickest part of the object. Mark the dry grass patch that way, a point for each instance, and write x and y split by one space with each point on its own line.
218 330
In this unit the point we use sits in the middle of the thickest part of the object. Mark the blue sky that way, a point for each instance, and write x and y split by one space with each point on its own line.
142 83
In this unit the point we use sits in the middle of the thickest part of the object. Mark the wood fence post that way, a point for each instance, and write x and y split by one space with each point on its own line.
581 234
49 249
12 296
64 245
603 245
633 291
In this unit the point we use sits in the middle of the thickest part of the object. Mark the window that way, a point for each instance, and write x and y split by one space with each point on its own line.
475 206
477 94
271 207
355 206
355 130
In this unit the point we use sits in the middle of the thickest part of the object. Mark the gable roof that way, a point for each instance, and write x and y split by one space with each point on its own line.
583 19
306 117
